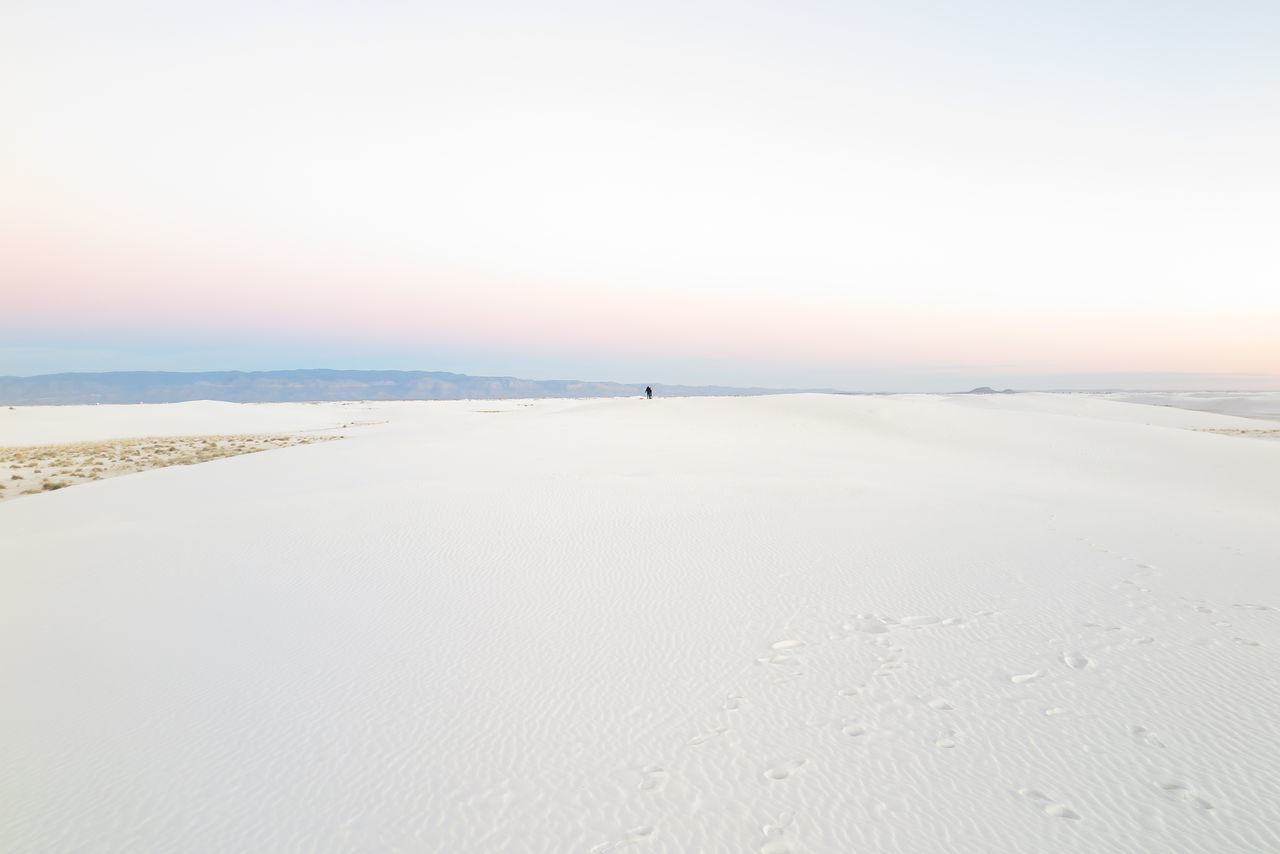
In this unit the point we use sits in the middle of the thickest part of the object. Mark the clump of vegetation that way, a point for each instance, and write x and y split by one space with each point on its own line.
1232 431
60 466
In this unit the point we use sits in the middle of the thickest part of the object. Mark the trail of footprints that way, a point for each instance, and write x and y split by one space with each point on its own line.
1220 623
783 661
1201 607
1171 789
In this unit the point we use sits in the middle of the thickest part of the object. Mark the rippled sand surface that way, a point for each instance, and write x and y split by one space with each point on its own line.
800 623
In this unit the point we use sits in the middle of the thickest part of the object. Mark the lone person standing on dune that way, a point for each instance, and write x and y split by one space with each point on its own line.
648 392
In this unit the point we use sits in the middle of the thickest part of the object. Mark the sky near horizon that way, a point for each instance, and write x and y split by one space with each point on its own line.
854 195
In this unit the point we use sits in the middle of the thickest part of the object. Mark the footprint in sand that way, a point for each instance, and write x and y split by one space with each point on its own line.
734 703
708 736
655 777
1019 678
785 769
947 741
1145 737
1076 659
1048 805
775 835
1184 793
786 644
854 730
868 624
629 837
941 705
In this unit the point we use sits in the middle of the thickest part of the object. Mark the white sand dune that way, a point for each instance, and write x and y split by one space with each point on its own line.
1024 623
47 425
1256 404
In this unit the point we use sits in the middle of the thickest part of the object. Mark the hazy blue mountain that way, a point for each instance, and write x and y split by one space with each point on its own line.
172 387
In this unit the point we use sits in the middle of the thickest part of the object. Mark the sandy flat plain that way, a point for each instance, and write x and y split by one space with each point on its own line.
801 623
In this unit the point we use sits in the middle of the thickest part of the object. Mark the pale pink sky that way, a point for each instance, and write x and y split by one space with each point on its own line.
851 197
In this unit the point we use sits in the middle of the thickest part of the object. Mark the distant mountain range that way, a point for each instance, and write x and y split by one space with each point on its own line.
272 386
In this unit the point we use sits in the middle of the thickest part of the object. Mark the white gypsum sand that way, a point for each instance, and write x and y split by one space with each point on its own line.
801 623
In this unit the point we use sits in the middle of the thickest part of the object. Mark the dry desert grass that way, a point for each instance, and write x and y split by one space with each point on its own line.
43 468
1231 431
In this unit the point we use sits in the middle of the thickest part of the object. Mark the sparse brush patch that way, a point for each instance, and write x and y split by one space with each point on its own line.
64 465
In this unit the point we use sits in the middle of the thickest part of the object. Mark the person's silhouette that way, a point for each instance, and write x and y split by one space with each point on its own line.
648 392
